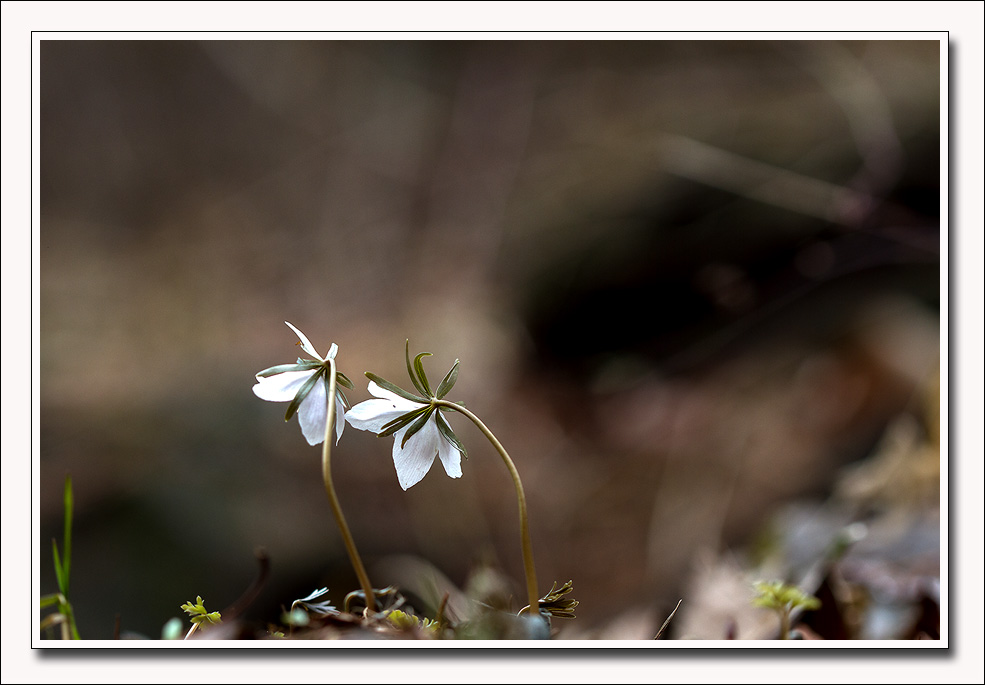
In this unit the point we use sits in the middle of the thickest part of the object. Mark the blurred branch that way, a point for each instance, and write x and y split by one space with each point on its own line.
869 117
840 205
719 168
866 109
253 591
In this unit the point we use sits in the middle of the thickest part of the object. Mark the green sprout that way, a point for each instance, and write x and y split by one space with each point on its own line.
404 621
200 616
555 604
63 563
783 599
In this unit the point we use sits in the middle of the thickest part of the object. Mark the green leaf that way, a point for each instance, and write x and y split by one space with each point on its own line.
410 371
779 596
410 367
67 559
50 600
302 393
556 593
402 621
193 609
401 421
448 382
343 380
449 435
302 365
387 385
199 614
59 573
419 367
417 425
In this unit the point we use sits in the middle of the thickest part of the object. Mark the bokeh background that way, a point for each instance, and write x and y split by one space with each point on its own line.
694 287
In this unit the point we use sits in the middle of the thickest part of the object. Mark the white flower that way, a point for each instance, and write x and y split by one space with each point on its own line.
323 608
414 456
305 385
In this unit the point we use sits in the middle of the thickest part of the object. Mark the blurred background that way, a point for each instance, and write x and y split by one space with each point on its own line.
694 288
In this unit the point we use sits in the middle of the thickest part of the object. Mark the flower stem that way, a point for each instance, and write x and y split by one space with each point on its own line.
326 465
785 623
528 554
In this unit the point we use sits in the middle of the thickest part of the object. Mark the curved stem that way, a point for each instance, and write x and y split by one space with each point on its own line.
326 467
528 554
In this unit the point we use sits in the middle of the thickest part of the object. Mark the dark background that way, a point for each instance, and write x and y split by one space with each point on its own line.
689 283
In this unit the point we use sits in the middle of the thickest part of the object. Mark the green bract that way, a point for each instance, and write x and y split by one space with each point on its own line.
420 380
420 431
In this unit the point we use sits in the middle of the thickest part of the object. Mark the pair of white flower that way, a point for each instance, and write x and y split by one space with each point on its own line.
420 432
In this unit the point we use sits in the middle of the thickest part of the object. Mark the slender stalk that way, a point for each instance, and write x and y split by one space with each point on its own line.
528 554
326 465
785 624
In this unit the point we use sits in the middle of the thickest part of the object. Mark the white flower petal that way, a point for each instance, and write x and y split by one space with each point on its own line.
415 459
305 343
339 418
450 457
372 415
314 595
313 413
281 387
399 402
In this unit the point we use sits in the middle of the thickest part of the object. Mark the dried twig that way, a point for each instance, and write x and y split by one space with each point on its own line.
667 622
